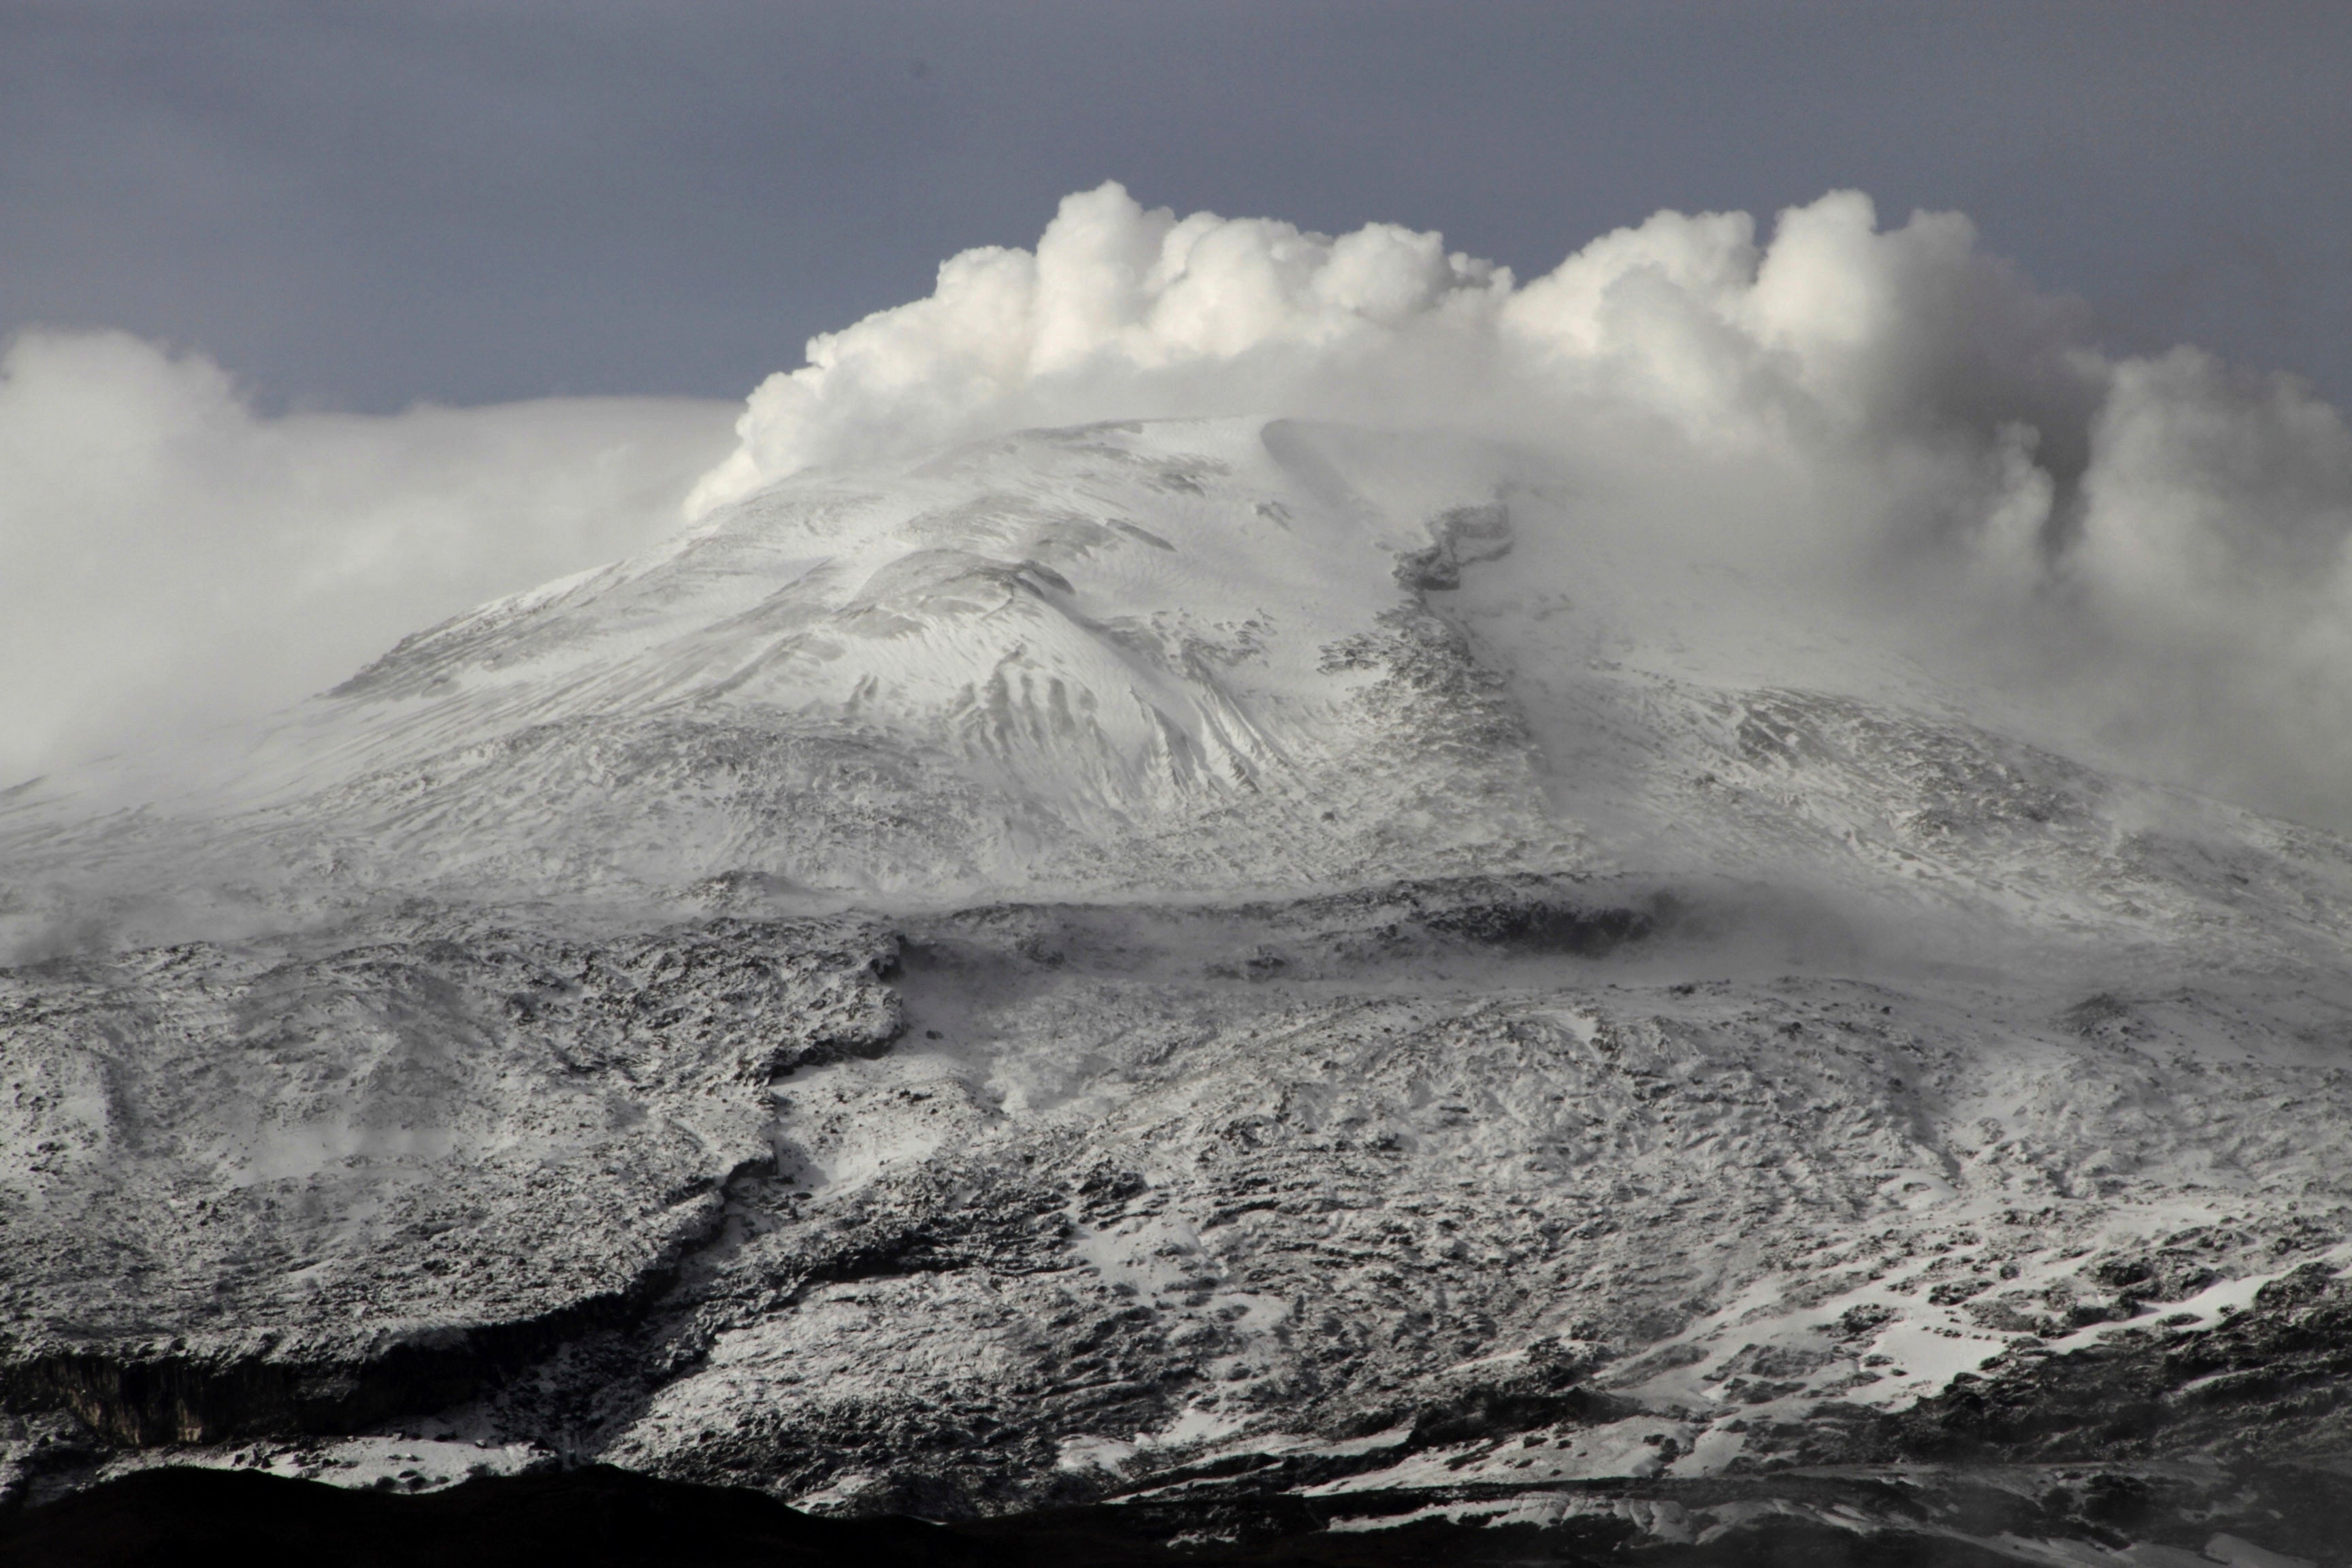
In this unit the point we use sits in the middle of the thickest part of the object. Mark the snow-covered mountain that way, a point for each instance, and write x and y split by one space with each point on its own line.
1199 961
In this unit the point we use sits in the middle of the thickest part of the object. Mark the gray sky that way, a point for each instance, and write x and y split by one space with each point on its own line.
357 206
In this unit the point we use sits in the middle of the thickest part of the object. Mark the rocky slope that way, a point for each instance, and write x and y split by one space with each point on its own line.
1180 964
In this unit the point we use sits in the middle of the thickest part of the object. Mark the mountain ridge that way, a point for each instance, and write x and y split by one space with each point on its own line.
1105 961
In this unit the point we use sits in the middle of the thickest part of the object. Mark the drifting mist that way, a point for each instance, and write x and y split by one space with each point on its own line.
171 559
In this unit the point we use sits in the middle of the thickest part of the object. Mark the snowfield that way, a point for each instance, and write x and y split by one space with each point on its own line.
1190 962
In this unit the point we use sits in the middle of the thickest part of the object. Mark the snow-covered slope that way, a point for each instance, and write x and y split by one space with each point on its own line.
1166 658
1125 957
1177 660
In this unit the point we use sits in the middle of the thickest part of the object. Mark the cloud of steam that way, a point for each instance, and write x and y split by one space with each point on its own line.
171 559
2155 549
2158 546
1835 329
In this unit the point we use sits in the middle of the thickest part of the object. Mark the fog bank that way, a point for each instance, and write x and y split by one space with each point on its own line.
170 559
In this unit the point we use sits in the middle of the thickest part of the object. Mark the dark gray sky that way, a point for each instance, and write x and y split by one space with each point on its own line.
356 206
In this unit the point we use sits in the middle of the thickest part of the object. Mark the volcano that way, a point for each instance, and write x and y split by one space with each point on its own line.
1275 980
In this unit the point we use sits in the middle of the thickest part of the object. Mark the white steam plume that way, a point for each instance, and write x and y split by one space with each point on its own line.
2158 543
2158 546
171 559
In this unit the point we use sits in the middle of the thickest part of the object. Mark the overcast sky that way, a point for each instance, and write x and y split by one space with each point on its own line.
357 206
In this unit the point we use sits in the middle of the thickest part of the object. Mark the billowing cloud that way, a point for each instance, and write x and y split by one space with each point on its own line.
171 559
1835 329
2155 547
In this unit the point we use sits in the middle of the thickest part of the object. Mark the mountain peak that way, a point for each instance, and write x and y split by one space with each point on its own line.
1198 657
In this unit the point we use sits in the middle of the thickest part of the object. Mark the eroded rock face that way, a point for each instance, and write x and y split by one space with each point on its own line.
1142 1216
1376 1198
308 1185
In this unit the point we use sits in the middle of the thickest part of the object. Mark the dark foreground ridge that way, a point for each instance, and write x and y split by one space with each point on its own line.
600 1515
